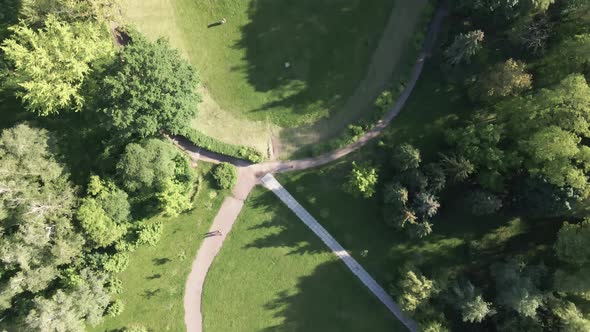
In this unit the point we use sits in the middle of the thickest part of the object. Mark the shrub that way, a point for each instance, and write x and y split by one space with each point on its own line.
115 285
225 175
214 145
115 308
116 263
135 328
150 233
362 180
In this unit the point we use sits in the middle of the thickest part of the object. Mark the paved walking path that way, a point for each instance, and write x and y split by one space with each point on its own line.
250 174
273 185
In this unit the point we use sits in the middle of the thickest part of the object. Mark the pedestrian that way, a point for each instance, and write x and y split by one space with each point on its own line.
223 20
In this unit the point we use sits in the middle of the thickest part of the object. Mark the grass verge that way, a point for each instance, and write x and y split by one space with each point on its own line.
153 284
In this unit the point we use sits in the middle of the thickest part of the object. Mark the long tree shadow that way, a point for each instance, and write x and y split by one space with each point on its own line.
330 299
310 53
284 233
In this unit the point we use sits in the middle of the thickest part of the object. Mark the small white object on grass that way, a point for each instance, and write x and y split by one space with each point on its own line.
287 65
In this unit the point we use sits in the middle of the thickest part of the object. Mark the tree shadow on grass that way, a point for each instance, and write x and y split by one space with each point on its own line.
330 299
288 230
326 43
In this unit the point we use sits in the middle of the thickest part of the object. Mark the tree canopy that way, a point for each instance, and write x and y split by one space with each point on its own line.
149 88
53 62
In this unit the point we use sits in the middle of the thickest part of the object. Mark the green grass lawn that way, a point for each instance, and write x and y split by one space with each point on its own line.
153 284
250 93
273 274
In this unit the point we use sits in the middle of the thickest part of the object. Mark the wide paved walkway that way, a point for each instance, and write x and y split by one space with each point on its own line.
272 184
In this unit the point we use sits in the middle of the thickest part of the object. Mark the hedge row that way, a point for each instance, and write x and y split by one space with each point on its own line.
209 143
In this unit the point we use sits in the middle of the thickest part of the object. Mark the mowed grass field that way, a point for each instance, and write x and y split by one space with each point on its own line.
274 274
153 284
251 95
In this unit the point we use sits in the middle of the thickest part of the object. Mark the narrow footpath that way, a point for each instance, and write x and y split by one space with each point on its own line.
249 175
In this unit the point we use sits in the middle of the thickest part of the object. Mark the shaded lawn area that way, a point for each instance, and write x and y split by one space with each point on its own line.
327 43
273 274
153 284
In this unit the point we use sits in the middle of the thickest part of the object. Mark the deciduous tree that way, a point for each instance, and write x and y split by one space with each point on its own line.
149 88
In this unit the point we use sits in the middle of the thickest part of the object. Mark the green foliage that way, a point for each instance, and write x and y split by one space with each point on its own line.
573 243
478 145
464 47
150 233
145 166
572 248
569 57
173 198
135 328
69 311
115 308
414 290
405 157
100 228
468 300
116 263
517 287
211 144
458 168
362 180
437 178
225 175
434 327
420 229
38 11
504 79
426 205
52 63
149 88
571 319
384 101
551 151
36 206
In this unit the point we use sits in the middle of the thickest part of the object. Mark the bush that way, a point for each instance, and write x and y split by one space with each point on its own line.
214 145
150 233
115 308
362 180
135 328
116 263
225 175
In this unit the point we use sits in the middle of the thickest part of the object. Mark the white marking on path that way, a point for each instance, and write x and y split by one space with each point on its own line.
273 185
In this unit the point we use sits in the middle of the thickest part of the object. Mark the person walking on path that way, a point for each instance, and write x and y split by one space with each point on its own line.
213 233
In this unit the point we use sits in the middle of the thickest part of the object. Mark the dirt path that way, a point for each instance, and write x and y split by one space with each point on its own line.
250 174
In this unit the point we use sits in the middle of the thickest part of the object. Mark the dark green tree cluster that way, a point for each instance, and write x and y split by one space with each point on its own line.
523 150
410 198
